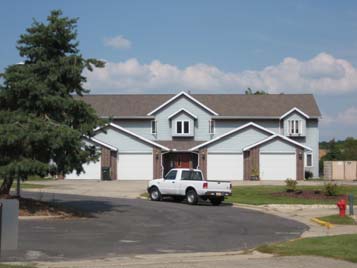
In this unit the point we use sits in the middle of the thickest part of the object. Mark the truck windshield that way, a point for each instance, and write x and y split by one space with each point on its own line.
191 175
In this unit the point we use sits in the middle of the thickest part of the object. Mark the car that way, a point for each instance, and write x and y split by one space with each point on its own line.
189 184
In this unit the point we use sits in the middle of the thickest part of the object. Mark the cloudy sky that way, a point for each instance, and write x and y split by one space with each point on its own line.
212 47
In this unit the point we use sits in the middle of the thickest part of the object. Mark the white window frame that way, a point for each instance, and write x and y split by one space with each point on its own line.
295 127
183 133
312 159
211 127
153 128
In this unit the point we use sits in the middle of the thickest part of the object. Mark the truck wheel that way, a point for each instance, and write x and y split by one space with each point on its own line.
216 201
191 197
155 194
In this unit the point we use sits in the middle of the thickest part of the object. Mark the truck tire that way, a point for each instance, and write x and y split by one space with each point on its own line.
155 194
216 201
191 197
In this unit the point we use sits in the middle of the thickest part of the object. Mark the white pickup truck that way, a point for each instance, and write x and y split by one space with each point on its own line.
181 183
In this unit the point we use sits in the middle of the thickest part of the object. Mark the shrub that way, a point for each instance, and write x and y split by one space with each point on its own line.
330 189
290 185
308 175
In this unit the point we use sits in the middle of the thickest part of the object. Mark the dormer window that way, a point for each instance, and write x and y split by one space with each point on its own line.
182 127
295 127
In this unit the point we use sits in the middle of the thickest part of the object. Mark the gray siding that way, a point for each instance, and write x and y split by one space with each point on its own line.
122 141
237 141
223 126
277 145
140 127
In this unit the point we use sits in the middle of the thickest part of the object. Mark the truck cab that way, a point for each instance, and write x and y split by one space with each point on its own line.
189 184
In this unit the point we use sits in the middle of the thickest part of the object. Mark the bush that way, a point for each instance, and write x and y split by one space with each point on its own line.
308 175
290 185
330 189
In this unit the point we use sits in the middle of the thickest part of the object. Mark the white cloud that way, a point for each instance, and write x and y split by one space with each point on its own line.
118 42
346 117
321 74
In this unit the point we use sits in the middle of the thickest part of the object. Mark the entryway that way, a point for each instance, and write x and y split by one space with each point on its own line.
179 160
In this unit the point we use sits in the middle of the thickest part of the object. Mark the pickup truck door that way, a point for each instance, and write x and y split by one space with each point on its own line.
168 186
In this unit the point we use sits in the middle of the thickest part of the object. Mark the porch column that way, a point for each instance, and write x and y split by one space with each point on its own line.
251 161
157 158
300 172
202 161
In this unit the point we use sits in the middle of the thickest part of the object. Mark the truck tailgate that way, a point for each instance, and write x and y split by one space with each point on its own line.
219 186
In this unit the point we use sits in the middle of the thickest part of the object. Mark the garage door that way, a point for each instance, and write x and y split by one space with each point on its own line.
225 167
92 172
277 166
135 166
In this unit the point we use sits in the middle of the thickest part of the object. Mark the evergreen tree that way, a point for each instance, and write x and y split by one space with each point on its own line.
41 124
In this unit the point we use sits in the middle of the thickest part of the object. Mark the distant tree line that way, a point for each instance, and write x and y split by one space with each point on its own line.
340 150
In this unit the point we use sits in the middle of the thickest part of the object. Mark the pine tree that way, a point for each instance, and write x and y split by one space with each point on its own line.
41 124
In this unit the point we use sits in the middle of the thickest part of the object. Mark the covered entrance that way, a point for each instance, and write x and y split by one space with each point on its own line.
179 160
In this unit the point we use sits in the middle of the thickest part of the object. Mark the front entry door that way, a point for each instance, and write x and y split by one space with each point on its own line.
183 161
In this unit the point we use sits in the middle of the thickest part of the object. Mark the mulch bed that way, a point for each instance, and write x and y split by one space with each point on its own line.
32 207
310 194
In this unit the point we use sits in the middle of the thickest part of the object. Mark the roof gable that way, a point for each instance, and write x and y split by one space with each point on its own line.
277 136
294 110
124 130
183 110
182 93
251 124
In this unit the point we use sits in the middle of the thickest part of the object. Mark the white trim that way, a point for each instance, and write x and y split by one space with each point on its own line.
312 160
231 132
102 143
182 110
294 110
225 117
277 136
179 95
115 126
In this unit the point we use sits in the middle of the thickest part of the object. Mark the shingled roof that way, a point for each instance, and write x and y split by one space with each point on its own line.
235 105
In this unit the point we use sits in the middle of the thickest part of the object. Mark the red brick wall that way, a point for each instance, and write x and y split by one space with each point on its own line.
109 159
300 172
251 161
202 160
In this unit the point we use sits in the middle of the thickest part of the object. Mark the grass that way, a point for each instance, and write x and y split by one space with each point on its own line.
336 219
261 195
339 247
26 185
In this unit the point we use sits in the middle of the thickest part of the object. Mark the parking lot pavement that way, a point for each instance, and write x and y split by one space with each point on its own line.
122 227
114 189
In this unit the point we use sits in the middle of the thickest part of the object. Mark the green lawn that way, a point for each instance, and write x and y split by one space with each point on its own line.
26 185
261 195
336 219
342 247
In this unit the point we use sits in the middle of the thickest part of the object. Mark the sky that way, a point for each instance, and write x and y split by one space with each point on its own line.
212 47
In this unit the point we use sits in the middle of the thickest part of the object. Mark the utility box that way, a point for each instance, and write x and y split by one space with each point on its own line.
9 222
106 174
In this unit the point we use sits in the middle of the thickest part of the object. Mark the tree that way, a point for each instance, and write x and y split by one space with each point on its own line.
41 124
249 91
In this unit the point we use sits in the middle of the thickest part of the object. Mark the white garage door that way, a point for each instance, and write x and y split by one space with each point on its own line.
135 166
277 166
226 167
92 172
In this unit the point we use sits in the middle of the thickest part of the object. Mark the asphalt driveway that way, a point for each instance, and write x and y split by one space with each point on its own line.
135 226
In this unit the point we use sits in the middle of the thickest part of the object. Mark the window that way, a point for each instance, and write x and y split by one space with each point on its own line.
295 127
153 127
182 127
211 126
171 175
190 175
308 160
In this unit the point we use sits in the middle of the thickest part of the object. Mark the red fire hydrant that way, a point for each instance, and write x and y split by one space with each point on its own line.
342 207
